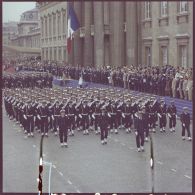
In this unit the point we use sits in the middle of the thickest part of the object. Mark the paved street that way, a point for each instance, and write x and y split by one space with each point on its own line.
88 166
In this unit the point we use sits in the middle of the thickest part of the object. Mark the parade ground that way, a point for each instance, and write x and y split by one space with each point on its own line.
88 166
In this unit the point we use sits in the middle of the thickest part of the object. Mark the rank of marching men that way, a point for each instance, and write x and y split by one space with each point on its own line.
40 109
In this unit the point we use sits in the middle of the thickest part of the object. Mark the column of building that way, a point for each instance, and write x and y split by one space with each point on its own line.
106 14
131 33
77 47
57 33
48 40
61 48
88 40
98 34
117 35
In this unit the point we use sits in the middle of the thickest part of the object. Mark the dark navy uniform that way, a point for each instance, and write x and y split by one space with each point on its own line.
43 112
172 111
139 131
127 111
55 110
162 116
185 120
85 117
112 109
103 123
63 128
29 113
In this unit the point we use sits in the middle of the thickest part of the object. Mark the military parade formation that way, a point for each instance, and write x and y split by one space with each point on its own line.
27 80
100 111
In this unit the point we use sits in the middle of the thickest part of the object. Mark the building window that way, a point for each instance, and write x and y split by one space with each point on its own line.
64 53
147 10
50 25
46 27
59 54
148 55
164 8
183 55
59 26
64 22
164 51
54 24
183 6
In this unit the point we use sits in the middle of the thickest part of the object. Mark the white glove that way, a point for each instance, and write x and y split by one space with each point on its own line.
136 133
80 116
183 124
25 117
38 116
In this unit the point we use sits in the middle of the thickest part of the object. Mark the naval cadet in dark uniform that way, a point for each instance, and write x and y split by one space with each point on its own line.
162 115
63 128
43 113
103 123
185 121
29 116
171 112
127 115
139 130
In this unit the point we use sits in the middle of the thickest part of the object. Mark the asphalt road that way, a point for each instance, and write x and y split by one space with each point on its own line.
88 166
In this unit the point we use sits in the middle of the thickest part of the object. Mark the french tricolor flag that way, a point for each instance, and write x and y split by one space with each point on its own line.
73 25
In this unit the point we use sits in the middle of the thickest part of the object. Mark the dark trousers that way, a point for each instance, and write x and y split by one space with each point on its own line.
119 120
96 123
140 139
104 133
151 122
162 121
186 128
127 121
85 122
113 122
55 123
172 121
30 124
78 121
146 131
71 124
63 135
44 125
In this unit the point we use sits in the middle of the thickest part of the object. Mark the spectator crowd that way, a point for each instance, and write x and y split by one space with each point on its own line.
166 80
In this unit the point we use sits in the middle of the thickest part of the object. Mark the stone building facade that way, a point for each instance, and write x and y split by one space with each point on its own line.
53 19
26 42
120 33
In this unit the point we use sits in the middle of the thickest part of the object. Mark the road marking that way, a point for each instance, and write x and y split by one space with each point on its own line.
187 176
61 173
173 170
34 146
54 166
78 191
159 162
123 144
69 182
44 154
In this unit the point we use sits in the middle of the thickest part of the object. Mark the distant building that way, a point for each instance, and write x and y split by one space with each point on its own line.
9 30
27 41
53 18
